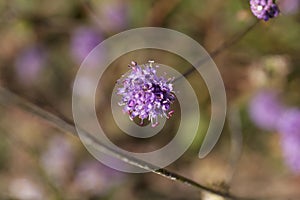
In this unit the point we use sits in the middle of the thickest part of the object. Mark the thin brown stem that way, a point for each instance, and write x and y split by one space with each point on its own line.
221 48
8 98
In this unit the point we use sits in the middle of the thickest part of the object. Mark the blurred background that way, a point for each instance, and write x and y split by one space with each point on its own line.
43 44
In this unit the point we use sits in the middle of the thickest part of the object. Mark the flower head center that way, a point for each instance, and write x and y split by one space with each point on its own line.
145 95
259 7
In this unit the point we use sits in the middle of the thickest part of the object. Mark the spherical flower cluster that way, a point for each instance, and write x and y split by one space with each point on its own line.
289 129
96 179
146 95
289 7
264 9
83 40
289 122
30 63
57 159
290 145
267 112
265 109
115 15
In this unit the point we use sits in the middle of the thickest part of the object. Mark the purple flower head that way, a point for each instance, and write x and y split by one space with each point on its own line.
289 6
290 144
265 109
289 129
95 178
289 123
58 159
116 15
145 95
264 9
83 40
30 62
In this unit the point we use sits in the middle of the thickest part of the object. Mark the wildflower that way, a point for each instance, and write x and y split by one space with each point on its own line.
96 179
30 62
290 145
289 7
289 129
58 159
289 123
265 110
145 95
115 15
83 40
264 9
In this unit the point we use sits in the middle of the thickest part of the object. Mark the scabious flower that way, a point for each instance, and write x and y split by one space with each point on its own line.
265 109
289 123
29 63
94 178
264 9
115 15
144 94
290 145
58 159
83 40
289 6
289 129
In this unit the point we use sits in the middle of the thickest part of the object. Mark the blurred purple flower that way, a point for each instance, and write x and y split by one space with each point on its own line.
289 6
95 178
145 95
115 15
29 63
289 129
289 123
83 41
290 145
264 9
265 109
57 160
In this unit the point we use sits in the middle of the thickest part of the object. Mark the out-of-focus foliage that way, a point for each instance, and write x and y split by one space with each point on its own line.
42 46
